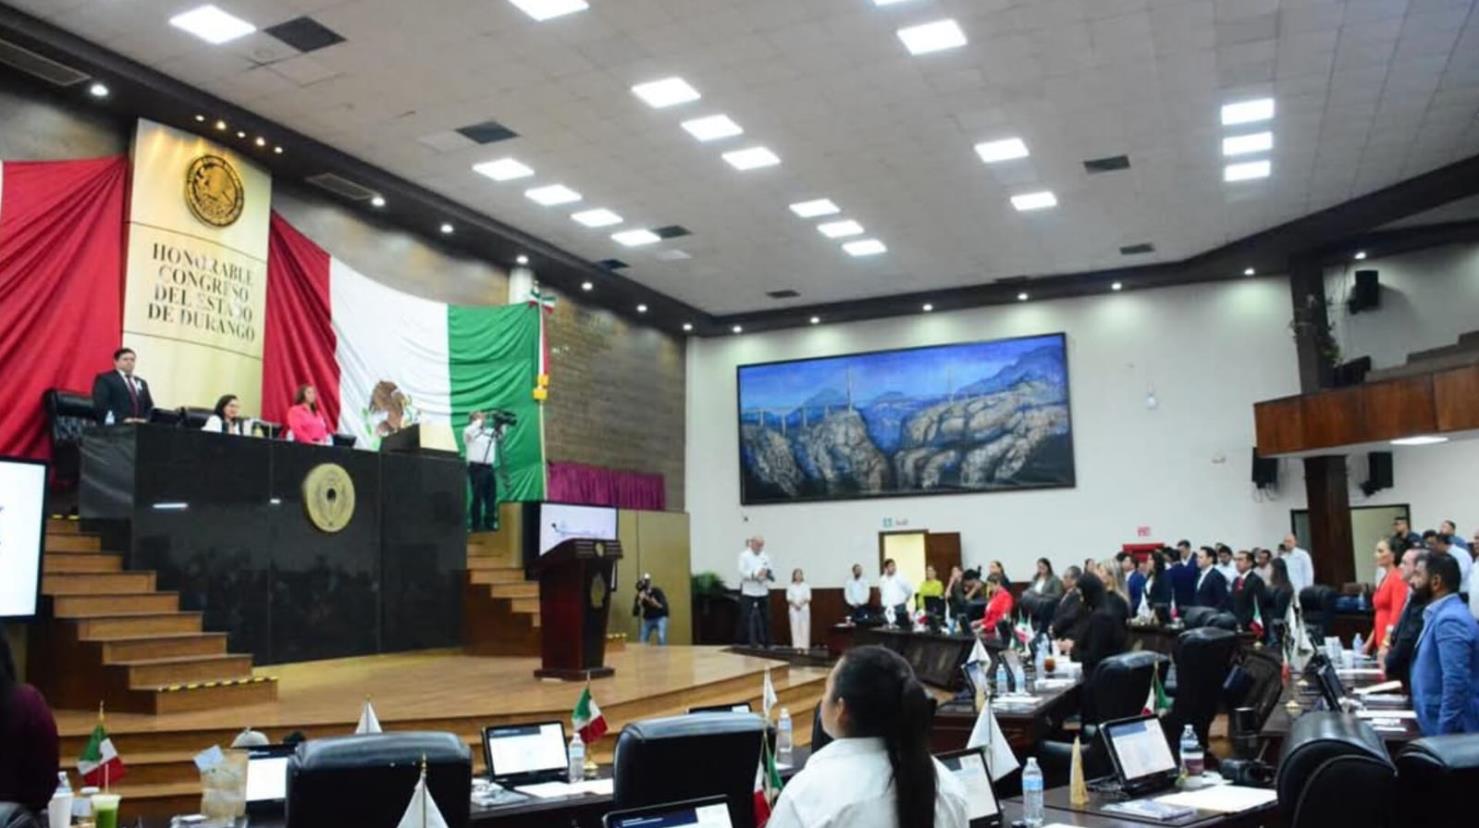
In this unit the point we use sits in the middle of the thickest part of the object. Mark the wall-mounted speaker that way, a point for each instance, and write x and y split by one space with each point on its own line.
1351 373
1366 294
1378 472
1265 470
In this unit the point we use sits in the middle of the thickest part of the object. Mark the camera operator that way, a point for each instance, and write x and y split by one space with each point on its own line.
652 606
484 430
755 580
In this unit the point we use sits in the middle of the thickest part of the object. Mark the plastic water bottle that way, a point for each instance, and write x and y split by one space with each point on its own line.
1358 646
1001 678
577 758
1032 812
1019 677
1191 753
783 737
62 785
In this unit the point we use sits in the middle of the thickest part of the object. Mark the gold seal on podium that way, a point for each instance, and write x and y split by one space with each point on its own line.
598 591
213 191
328 497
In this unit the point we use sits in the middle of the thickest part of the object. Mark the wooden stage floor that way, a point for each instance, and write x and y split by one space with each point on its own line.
432 690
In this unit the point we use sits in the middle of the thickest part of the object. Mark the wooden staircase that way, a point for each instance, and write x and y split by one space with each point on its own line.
113 637
500 606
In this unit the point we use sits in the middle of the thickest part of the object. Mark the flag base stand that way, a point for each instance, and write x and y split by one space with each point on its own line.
575 675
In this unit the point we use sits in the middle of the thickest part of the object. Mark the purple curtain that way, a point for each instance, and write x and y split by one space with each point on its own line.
597 486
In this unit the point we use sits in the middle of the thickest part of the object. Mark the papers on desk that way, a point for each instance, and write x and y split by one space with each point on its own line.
1358 671
1010 699
1386 714
1223 799
555 790
1377 688
1055 683
1149 809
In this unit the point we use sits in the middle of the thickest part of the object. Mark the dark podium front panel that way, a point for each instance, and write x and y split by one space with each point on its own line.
222 520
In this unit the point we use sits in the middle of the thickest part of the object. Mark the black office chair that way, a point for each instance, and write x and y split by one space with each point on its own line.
194 417
1435 775
367 780
1267 673
1195 617
690 757
1223 621
1203 657
69 414
1317 606
1334 770
1116 690
13 815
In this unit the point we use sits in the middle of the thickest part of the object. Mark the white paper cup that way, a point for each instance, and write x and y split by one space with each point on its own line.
59 811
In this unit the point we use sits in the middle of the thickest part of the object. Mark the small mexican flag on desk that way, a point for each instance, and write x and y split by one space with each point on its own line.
587 718
99 763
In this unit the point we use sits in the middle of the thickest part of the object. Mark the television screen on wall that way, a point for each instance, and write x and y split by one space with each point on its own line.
22 527
947 419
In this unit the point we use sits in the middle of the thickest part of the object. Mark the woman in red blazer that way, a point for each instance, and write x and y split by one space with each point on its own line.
306 423
999 606
1390 595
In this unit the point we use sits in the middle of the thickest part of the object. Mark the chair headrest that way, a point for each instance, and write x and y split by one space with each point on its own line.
1454 753
13 815
686 727
1224 621
1320 736
376 749
64 403
1197 616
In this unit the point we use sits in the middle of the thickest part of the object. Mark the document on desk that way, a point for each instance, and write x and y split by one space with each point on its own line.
555 790
1223 799
1358 671
1386 714
1377 688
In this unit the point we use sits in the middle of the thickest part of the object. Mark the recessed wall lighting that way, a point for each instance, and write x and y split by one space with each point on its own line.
261 142
815 207
1420 440
504 169
542 10
667 92
1248 271
1247 112
1360 256
635 238
1117 286
1253 142
199 119
927 307
599 217
1022 297
552 194
377 201
521 259
687 326
737 329
98 90
1246 171
864 247
277 150
240 133
840 229
641 309
446 229
713 128
212 25
1035 201
751 158
1004 150
221 125
932 37
587 287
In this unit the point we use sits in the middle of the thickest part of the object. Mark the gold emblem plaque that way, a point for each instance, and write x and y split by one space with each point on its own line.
213 191
598 591
328 497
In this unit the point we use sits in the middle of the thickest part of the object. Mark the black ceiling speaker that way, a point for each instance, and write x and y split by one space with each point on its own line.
1265 470
1378 472
1366 294
1351 373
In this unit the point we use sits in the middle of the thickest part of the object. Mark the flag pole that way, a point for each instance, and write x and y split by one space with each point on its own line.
105 764
590 767
423 790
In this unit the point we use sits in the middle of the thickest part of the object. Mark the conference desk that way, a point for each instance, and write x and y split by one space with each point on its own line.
1024 724
1056 803
1161 638
935 656
1279 722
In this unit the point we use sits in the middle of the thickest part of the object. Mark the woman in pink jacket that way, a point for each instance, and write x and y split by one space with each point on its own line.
306 423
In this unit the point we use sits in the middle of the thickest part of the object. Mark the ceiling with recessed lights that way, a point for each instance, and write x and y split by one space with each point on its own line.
845 148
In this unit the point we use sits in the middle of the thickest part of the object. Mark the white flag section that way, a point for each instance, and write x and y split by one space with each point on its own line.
1297 647
422 812
767 696
368 721
1000 760
978 654
392 351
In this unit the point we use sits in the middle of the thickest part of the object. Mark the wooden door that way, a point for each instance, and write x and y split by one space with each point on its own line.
942 551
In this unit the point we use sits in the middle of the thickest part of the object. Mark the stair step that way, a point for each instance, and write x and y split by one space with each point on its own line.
96 562
478 563
85 606
525 606
522 589
72 542
162 645
107 583
232 693
166 671
58 525
137 624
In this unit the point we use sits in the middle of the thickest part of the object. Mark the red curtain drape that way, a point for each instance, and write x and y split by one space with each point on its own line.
62 237
597 486
298 347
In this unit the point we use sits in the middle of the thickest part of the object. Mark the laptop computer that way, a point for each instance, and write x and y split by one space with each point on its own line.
526 754
742 707
969 768
1141 755
267 779
1332 689
710 812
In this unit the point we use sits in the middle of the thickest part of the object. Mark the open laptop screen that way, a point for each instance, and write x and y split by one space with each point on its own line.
969 768
1139 748
515 751
700 813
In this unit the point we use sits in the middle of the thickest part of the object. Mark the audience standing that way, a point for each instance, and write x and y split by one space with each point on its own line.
1389 598
1249 598
930 587
856 593
1301 565
894 591
1263 564
1136 573
1070 612
1445 668
1211 586
798 601
755 580
1183 573
651 605
1397 649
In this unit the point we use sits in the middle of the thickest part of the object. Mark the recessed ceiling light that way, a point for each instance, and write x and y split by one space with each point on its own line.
587 286
277 150
816 320
1421 440
641 309
521 259
377 201
599 217
815 207
1246 144
737 329
1117 286
932 37
212 25
221 125
98 90
261 142
840 229
553 194
1246 171
687 326
199 119
864 247
1035 201
1247 112
927 307
240 133
751 158
547 9
1022 297
666 92
1004 150
712 128
1248 271
504 169
446 229
1360 255
635 238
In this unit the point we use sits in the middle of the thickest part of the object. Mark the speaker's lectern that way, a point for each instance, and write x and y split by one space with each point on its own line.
574 599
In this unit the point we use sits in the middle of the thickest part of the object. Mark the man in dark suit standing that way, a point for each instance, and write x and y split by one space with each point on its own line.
1248 594
1396 653
1182 573
120 397
1211 585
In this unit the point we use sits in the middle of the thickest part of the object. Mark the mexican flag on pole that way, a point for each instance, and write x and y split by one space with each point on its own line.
99 763
1256 625
767 776
587 718
1156 701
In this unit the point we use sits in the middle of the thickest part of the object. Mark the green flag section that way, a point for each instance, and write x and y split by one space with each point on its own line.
589 722
99 763
493 363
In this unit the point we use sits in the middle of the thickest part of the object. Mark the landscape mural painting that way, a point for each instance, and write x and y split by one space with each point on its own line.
973 417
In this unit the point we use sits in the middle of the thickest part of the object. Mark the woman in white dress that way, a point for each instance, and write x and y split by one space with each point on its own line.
798 599
226 418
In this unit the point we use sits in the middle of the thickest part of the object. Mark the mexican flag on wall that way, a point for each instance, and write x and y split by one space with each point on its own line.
382 359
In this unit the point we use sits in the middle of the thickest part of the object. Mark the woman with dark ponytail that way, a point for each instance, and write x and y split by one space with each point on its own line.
878 772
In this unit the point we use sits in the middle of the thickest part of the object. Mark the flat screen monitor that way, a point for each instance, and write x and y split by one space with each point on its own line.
969 768
524 753
559 522
1332 689
22 532
267 774
711 812
1141 755
741 707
